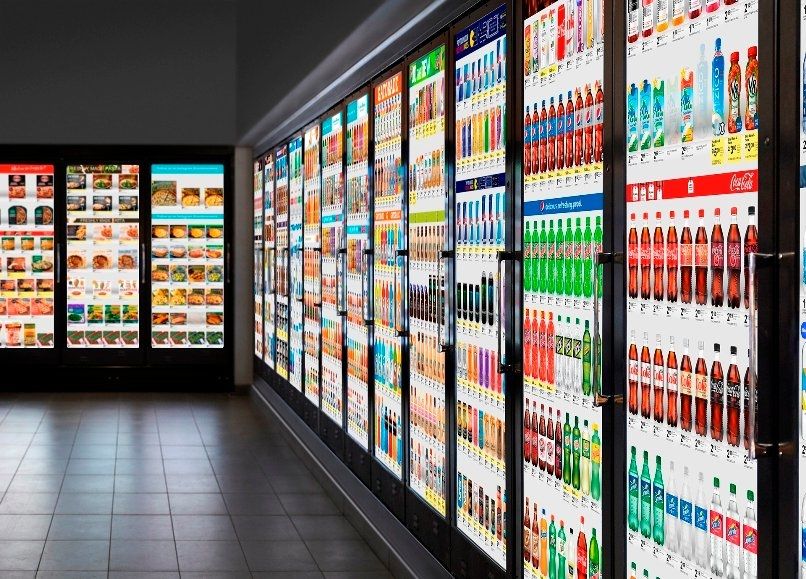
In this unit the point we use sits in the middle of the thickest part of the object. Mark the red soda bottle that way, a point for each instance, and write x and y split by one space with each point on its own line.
561 32
570 122
527 434
646 378
746 399
542 346
671 385
701 393
527 147
734 261
686 261
551 135
632 259
734 397
717 397
633 375
543 137
589 122
750 247
541 457
527 345
560 134
579 125
558 447
671 260
717 263
646 258
658 260
550 351
598 133
550 444
701 262
658 381
686 383
535 435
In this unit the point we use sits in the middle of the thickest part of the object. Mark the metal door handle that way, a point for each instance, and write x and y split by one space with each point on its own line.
401 331
599 398
443 345
366 297
142 264
58 260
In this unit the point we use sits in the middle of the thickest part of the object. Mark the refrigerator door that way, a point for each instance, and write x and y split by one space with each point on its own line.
269 263
257 261
312 303
480 72
359 256
692 143
334 250
563 130
428 196
389 272
295 192
28 268
105 256
282 261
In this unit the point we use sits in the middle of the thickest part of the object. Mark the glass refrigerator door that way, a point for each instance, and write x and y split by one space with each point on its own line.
281 276
480 52
313 261
103 256
427 324
269 260
692 192
802 320
562 208
389 272
27 271
358 270
333 246
257 269
187 256
295 187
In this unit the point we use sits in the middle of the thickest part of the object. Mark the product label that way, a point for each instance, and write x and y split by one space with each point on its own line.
671 380
658 377
649 16
733 531
701 518
672 505
701 255
632 25
750 539
671 255
663 11
646 373
733 391
686 511
596 453
716 524
632 254
646 255
717 390
734 255
586 448
701 386
685 255
718 256
685 383
657 254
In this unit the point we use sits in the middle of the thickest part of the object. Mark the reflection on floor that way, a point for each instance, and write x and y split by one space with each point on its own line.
158 485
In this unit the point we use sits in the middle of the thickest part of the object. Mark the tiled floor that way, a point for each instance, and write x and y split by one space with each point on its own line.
152 486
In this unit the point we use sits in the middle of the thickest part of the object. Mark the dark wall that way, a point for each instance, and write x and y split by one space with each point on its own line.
118 71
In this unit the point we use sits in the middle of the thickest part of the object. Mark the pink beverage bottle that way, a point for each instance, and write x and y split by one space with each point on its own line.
711 5
550 351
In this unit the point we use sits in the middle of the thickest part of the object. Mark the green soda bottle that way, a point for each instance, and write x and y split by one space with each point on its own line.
543 252
569 258
594 558
587 260
527 258
597 248
538 254
586 360
559 260
646 498
658 504
632 487
551 259
560 574
552 549
578 250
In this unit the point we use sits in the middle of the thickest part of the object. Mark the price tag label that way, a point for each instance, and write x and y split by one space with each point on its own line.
699 314
662 40
695 27
657 309
751 145
750 8
686 151
718 151
734 148
644 307
717 316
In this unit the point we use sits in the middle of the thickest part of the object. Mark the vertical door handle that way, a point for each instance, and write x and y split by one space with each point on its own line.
601 399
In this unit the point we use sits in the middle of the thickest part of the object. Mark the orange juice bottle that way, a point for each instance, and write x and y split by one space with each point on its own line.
678 12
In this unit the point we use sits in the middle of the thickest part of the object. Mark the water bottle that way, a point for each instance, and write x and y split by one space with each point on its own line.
686 521
733 537
717 528
672 511
701 526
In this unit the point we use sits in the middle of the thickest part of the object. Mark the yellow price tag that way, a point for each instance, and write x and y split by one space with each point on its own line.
751 145
734 148
718 151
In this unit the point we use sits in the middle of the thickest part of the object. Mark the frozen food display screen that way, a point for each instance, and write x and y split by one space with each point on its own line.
187 256
103 256
257 264
563 120
692 196
389 271
27 267
481 502
295 200
281 263
269 258
426 287
312 276
802 318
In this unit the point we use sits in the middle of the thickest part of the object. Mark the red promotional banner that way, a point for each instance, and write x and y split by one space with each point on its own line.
26 168
702 186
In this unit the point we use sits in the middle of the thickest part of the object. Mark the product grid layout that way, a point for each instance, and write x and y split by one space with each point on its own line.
269 260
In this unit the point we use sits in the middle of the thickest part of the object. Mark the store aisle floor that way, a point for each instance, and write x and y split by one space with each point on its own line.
162 485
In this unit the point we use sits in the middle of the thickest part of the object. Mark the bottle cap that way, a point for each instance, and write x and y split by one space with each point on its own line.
733 211
751 210
685 214
716 348
752 52
671 214
718 44
732 489
733 350
716 482
750 496
734 57
702 213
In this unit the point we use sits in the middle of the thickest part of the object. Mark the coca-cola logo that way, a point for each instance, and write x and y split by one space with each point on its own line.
742 182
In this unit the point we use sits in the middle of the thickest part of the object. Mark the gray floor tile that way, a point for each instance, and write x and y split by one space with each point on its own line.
141 504
294 484
24 527
143 575
203 528
210 556
140 483
51 466
185 466
278 556
245 483
13 450
50 452
10 466
84 504
265 528
20 555
313 528
139 451
308 504
28 503
139 466
142 527
192 483
75 556
358 575
88 483
287 575
253 504
180 452
336 555
94 452
216 575
71 575
197 504
91 465
80 528
36 483
143 556
19 575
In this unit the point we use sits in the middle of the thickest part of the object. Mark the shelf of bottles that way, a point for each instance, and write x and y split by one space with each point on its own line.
269 260
802 317
257 263
562 208
426 287
296 255
480 52
692 173
282 261
312 274
358 271
332 242
389 271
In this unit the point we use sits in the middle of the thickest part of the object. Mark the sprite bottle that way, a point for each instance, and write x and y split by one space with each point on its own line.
632 485
658 504
646 498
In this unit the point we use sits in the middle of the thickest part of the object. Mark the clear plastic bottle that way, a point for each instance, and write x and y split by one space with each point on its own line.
701 525
717 527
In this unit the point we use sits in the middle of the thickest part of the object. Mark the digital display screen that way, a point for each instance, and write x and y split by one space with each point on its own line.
257 263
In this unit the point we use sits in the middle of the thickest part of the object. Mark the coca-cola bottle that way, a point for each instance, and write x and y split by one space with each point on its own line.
701 392
717 397
646 378
734 397
746 404
528 353
701 262
734 261
527 433
535 140
632 259
658 381
658 260
550 444
535 436
541 457
671 260
750 247
671 384
686 383
686 261
646 259
717 263
633 374
540 357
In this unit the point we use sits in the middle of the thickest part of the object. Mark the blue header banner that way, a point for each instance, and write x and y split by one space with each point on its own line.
571 204
483 31
187 169
479 183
